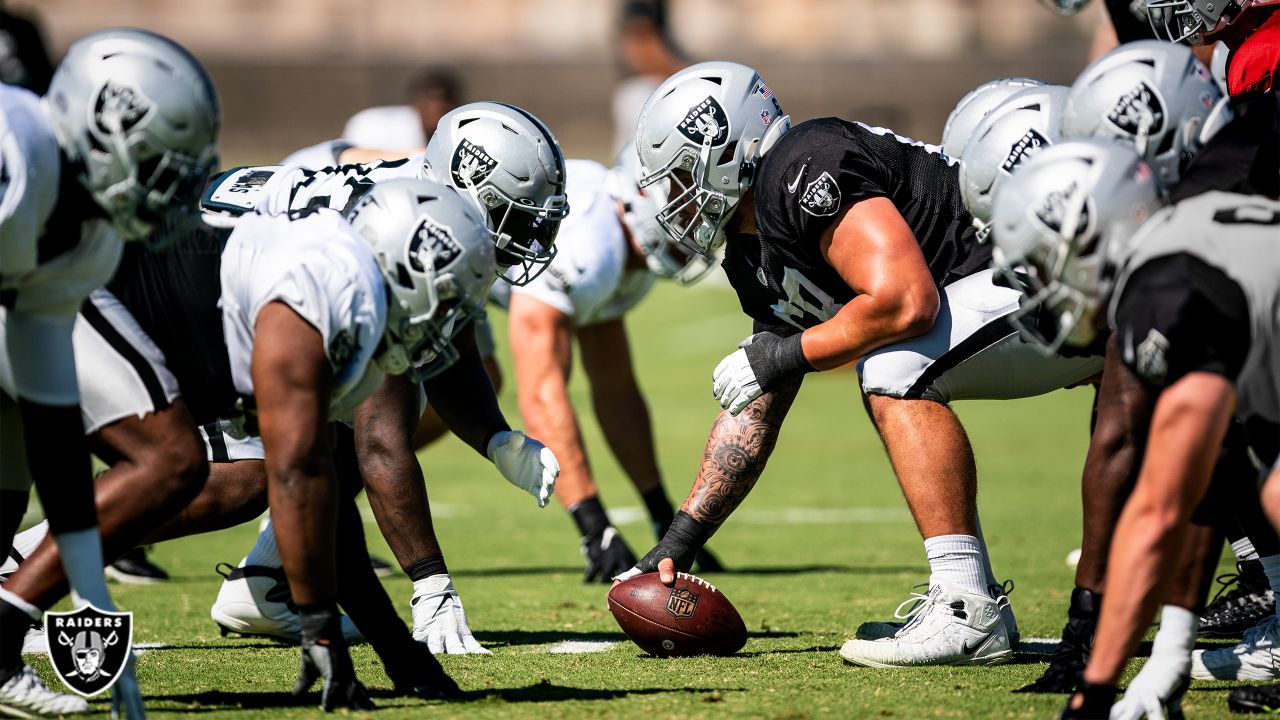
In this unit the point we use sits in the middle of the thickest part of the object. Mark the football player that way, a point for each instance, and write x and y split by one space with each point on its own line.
1249 28
611 252
116 150
511 167
976 105
1192 297
844 242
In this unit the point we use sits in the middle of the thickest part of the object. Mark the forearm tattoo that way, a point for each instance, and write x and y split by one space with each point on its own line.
736 453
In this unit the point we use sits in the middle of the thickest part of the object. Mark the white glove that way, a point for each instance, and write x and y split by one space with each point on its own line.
1156 691
439 620
525 463
126 696
734 383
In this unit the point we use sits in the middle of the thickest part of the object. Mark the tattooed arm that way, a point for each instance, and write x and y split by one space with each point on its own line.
737 450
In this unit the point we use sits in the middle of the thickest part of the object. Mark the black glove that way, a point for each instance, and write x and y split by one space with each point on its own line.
324 655
682 543
418 673
607 555
1097 702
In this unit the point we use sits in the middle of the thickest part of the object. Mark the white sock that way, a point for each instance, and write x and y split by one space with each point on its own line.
1244 550
1177 634
24 543
264 551
986 557
958 560
81 553
1271 566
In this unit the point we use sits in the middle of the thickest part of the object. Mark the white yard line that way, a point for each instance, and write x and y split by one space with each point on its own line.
575 647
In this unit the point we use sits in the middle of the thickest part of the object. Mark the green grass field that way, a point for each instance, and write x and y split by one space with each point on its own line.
823 544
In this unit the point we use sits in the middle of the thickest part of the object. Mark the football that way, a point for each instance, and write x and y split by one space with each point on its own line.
690 618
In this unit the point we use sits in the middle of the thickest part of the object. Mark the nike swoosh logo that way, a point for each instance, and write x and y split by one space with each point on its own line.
796 183
964 647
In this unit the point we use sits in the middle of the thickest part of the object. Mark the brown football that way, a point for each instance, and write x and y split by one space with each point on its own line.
690 618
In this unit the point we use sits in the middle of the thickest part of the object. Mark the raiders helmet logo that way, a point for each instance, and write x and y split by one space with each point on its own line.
1138 111
435 243
682 602
471 164
821 197
1053 210
1025 149
119 108
89 647
706 121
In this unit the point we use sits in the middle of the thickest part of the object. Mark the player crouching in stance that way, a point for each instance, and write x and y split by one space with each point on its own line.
846 242
115 152
1191 298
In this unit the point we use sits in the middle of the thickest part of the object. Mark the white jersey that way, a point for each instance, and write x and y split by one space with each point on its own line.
276 190
52 254
319 267
588 280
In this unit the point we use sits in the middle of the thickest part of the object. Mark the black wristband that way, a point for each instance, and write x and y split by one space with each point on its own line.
426 567
775 359
683 540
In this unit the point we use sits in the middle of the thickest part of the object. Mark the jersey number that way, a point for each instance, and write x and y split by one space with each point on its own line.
804 300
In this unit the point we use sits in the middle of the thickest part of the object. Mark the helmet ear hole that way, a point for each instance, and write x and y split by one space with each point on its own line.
403 277
727 154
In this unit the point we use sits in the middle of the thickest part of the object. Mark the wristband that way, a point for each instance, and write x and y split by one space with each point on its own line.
775 359
684 538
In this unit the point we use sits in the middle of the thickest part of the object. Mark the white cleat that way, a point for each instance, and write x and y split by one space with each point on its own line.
878 629
439 620
34 642
946 627
255 600
25 695
1256 657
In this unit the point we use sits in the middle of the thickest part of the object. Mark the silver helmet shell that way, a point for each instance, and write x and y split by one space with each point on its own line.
1196 21
703 131
512 167
1022 126
435 253
1153 95
1061 229
138 116
664 256
976 105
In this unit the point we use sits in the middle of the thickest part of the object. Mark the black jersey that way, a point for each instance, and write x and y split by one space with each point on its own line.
1243 157
1129 18
173 294
817 168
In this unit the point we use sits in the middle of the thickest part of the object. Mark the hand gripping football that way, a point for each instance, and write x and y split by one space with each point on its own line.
689 618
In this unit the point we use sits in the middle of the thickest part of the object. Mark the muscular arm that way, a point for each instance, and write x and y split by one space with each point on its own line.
542 349
1187 428
393 480
464 397
619 405
874 250
292 382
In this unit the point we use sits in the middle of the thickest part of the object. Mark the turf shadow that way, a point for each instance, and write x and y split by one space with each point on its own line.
517 571
786 651
542 637
822 568
547 691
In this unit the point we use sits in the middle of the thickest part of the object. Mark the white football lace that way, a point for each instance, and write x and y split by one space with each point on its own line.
697 581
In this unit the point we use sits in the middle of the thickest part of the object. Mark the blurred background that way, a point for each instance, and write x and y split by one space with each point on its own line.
294 72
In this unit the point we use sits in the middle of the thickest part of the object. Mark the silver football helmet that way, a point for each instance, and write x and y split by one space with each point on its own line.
437 258
1022 126
703 131
976 105
511 165
1065 7
1153 95
1196 21
664 256
138 116
1062 228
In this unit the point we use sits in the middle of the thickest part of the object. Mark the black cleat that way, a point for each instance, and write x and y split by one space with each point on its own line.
1242 601
381 567
1255 699
607 555
133 568
1068 661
